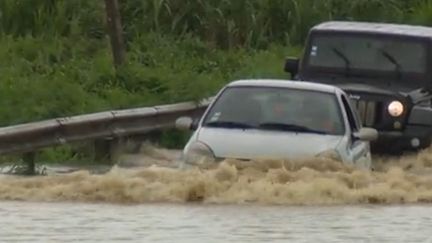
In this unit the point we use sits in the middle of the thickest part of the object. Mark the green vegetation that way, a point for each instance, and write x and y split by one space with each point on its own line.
55 57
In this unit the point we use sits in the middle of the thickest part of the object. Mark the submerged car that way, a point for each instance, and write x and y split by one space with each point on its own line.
278 119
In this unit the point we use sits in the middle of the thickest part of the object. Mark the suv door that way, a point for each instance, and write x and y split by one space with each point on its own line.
357 151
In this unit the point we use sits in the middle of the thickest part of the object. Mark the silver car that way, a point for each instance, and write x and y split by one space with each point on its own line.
278 119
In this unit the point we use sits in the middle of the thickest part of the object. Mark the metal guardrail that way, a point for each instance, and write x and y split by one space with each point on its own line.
29 137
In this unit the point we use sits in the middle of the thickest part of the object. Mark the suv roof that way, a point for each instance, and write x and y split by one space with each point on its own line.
376 28
282 83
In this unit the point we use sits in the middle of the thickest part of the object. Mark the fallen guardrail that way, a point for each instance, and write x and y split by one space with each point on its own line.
29 137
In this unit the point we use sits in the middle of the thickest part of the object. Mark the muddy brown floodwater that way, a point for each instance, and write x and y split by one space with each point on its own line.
146 199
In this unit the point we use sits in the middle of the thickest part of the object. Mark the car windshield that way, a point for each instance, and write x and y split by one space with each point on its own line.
279 109
371 53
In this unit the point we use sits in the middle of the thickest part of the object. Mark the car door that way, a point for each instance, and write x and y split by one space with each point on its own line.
357 151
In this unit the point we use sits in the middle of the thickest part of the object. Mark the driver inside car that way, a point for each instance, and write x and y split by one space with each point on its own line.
317 116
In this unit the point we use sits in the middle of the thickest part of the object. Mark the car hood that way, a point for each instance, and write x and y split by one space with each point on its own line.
383 85
252 143
365 88
415 95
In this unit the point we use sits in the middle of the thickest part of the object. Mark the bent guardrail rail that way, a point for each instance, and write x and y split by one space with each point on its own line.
29 137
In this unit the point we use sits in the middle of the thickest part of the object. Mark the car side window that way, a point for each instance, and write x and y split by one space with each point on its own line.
354 124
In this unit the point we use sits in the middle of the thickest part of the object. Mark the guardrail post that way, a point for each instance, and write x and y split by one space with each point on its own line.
101 150
29 160
116 146
108 149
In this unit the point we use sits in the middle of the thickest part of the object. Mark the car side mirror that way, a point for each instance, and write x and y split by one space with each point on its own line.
366 134
292 66
186 123
183 123
194 124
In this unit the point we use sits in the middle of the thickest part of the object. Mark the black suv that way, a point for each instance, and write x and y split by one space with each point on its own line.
385 69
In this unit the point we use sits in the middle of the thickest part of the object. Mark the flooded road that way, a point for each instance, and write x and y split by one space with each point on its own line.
145 199
65 222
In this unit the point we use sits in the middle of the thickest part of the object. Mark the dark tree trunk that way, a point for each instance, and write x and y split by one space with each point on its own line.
115 31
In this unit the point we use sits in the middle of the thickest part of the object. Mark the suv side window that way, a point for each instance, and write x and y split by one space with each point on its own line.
352 117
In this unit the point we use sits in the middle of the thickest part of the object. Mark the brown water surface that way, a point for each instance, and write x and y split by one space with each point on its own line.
146 199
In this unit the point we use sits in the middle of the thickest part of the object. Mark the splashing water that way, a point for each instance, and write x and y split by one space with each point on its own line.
407 179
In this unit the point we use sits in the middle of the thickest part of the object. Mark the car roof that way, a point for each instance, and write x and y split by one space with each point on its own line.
282 83
376 28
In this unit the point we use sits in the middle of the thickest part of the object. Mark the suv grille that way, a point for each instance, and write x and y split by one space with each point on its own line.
367 111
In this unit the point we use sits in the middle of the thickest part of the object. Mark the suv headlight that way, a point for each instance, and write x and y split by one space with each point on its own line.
330 154
199 153
395 108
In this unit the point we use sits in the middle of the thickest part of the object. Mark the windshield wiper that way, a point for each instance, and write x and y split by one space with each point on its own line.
288 127
344 58
393 61
228 124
